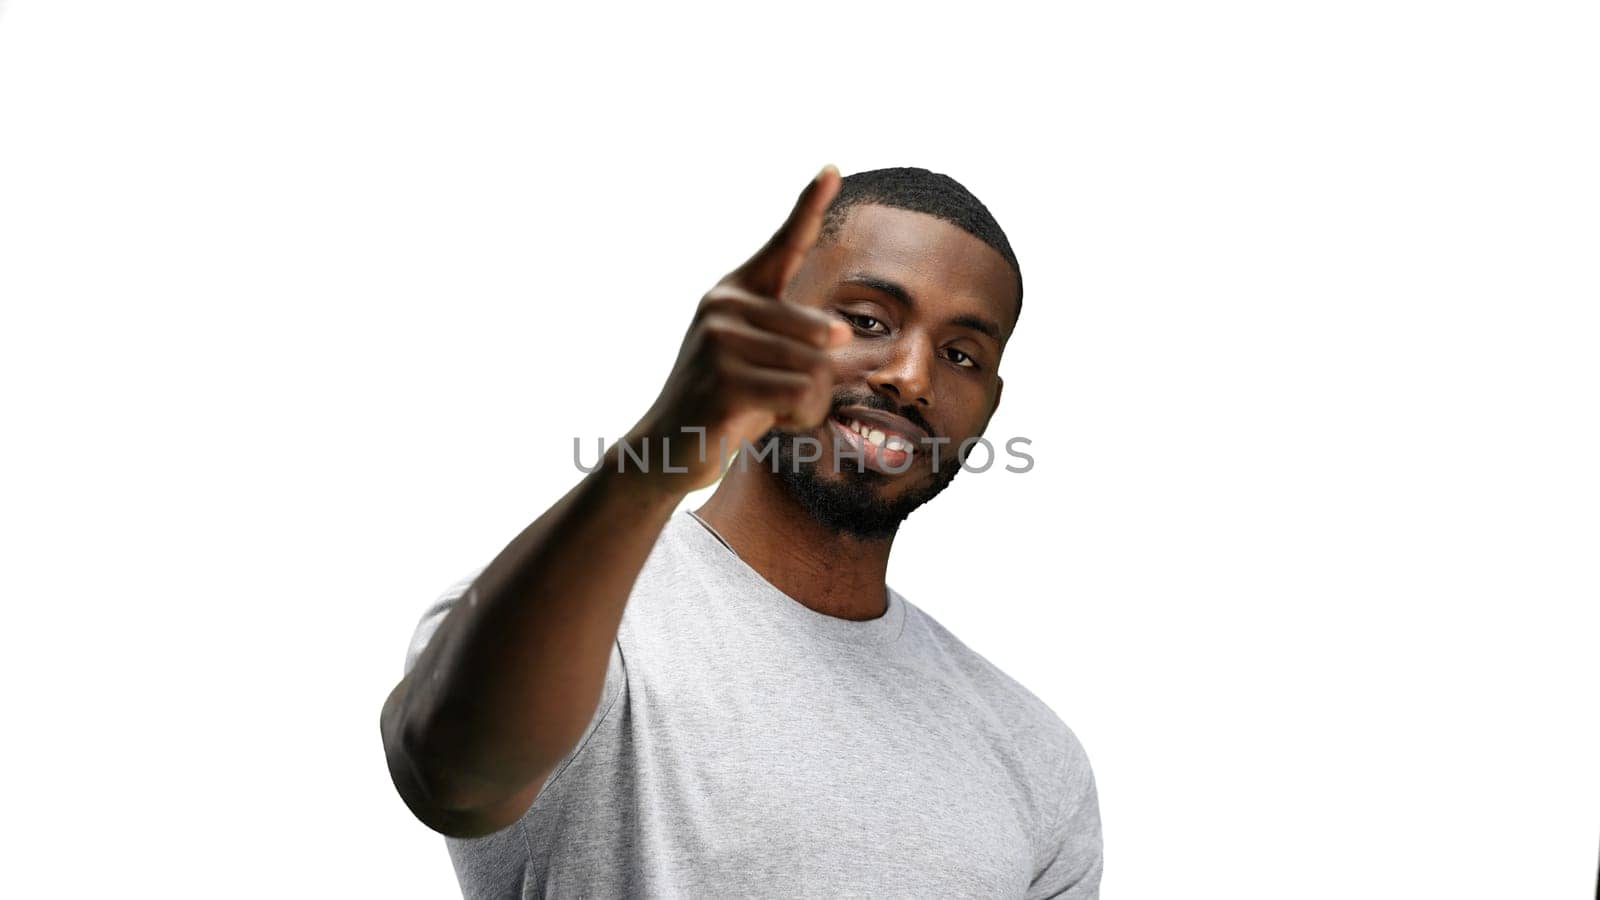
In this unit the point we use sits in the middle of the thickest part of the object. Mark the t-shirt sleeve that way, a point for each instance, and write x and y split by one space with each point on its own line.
434 614
1072 858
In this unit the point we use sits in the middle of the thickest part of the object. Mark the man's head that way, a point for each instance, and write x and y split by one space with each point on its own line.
932 291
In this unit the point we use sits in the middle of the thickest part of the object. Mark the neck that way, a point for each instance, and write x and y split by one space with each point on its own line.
834 574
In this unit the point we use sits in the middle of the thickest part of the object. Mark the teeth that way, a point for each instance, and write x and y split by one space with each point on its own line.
877 438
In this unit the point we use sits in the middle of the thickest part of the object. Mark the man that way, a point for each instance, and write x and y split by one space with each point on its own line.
635 701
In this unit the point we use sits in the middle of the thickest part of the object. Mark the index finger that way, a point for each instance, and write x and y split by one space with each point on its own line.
772 267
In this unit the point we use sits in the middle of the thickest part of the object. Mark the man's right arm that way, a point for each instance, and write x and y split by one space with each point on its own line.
511 678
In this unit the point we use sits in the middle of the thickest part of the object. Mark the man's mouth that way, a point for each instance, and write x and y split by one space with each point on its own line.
885 445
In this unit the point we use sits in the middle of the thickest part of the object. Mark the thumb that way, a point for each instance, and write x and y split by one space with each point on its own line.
772 267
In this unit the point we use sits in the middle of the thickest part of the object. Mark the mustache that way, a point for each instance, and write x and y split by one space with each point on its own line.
883 404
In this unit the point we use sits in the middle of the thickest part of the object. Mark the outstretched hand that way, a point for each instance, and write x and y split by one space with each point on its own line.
750 360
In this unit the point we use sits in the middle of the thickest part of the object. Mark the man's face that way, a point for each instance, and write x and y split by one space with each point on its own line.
931 308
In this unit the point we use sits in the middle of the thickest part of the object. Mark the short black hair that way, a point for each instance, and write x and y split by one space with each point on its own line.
920 190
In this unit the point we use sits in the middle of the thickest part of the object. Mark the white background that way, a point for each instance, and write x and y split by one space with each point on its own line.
304 302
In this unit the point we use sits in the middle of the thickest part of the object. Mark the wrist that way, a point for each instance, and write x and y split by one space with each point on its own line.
638 463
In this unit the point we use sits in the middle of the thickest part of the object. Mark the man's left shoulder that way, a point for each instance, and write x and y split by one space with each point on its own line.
1032 721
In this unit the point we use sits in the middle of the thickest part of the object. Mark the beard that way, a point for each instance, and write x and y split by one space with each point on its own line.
849 504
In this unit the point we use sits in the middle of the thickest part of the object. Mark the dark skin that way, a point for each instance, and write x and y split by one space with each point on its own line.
935 345
513 674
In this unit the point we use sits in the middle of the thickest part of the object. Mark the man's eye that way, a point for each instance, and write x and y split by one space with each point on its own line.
865 323
962 359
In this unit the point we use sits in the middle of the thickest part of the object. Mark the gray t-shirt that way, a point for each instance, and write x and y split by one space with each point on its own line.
748 746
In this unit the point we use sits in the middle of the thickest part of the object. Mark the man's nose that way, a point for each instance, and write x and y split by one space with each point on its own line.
906 372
